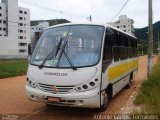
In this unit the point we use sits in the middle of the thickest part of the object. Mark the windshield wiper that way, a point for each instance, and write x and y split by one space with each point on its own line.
69 60
51 54
58 47
63 51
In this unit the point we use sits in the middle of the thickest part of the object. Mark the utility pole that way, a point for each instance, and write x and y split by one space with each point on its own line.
90 18
158 44
150 39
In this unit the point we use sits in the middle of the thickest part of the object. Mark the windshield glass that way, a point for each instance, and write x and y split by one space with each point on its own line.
81 43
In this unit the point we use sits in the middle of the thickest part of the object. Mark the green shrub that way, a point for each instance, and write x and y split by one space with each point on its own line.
149 96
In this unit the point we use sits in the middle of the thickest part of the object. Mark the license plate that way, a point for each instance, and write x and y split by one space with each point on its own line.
54 99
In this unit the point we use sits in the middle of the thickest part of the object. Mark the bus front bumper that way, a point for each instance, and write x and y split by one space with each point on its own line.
87 99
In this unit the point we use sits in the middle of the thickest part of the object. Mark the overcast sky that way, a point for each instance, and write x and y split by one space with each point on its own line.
102 11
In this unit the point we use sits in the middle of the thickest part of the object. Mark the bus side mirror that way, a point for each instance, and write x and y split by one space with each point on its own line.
29 49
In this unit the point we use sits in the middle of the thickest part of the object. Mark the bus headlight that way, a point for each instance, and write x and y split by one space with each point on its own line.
31 83
88 85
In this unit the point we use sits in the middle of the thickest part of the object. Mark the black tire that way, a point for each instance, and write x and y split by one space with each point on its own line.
129 83
105 104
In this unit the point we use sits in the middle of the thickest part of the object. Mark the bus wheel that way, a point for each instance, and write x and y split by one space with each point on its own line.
105 101
128 85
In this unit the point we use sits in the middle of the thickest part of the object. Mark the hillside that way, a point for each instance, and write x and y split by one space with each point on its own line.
142 36
141 33
51 22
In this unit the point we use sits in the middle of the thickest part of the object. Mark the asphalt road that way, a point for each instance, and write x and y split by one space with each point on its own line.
14 103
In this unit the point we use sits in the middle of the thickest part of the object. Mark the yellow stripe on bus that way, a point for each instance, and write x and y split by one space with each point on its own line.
119 70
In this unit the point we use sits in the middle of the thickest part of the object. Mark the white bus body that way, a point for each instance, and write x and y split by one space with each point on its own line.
87 80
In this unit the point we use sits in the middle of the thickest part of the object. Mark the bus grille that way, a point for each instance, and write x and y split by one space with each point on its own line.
60 89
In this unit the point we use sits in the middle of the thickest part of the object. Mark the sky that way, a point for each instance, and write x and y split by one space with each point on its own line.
102 11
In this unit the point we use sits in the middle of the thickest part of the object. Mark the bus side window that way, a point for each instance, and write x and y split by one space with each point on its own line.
122 40
107 52
135 48
116 48
123 47
116 39
126 41
116 52
131 48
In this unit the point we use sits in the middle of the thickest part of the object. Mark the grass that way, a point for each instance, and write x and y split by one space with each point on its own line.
149 96
12 68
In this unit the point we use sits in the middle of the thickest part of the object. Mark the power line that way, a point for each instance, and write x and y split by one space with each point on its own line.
39 6
120 10
49 9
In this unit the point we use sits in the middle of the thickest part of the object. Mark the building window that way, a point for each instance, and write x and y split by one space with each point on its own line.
21 11
0 28
0 7
22 44
4 29
4 21
124 26
21 31
21 18
25 12
22 51
124 30
20 24
117 26
0 21
0 14
0 34
20 37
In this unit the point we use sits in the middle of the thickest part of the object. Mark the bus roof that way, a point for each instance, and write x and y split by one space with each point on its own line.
105 25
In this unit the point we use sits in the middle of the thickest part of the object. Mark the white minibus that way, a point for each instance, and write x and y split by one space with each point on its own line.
81 65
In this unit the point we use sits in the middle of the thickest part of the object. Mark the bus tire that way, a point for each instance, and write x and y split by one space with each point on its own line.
129 82
106 100
128 85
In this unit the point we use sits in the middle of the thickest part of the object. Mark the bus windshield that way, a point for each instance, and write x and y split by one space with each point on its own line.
81 43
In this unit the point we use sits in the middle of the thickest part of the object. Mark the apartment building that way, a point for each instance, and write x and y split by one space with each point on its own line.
125 24
14 30
36 32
